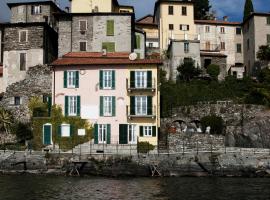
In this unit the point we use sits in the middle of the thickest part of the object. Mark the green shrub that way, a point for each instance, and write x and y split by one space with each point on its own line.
213 71
144 147
23 131
215 122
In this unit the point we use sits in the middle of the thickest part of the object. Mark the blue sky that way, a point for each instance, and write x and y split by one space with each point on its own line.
232 8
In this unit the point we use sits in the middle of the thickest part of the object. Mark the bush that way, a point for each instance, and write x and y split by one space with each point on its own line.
213 71
215 122
23 131
144 147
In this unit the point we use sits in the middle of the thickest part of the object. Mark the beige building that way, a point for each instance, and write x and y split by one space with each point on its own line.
256 32
175 20
103 6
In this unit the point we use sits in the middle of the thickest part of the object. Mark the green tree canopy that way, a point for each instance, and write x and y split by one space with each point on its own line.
188 70
248 9
264 53
213 70
201 8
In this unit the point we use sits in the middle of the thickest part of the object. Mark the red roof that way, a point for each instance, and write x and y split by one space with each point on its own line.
1 70
217 22
146 20
85 58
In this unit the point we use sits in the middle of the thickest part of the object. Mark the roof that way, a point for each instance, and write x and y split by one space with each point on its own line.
147 20
86 58
213 54
40 2
1 70
264 14
217 22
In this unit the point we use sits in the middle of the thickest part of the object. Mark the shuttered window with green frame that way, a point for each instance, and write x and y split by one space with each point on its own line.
138 41
108 139
123 133
110 27
149 105
96 133
109 46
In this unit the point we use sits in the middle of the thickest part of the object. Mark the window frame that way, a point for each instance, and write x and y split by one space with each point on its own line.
132 139
170 10
222 46
72 105
25 61
107 79
140 79
207 29
171 27
237 31
186 47
33 8
26 36
86 25
107 106
81 46
147 131
102 133
222 30
16 98
184 11
71 79
141 105
238 50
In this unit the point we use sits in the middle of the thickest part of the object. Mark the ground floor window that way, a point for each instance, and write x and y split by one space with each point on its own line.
102 133
132 134
147 130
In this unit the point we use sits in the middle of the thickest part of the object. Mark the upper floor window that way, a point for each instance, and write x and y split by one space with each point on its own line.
22 61
184 27
141 105
170 11
222 29
83 46
184 10
23 36
171 27
17 101
222 45
107 106
207 45
186 47
72 105
36 9
238 31
268 20
110 27
71 79
141 79
207 29
268 39
238 48
108 46
83 25
107 79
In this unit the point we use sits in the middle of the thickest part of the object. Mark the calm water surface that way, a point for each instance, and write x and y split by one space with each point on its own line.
67 188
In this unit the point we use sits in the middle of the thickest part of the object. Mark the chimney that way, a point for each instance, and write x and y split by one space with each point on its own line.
67 9
225 18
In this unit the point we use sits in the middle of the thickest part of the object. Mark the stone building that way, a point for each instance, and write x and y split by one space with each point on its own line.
29 40
140 48
256 32
219 37
1 60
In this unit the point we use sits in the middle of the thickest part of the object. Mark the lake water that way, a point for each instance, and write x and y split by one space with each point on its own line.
28 187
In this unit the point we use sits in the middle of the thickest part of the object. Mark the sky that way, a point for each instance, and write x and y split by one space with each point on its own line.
232 8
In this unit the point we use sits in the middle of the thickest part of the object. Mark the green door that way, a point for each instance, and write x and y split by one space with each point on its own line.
47 134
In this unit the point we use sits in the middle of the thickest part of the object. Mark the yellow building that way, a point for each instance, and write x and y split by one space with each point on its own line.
102 6
175 19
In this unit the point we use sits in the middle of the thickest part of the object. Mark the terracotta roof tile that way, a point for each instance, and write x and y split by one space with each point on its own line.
217 22
97 59
147 20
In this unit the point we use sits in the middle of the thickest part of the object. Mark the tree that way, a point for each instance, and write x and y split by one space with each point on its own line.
188 70
6 120
201 9
213 70
23 131
264 76
248 9
264 53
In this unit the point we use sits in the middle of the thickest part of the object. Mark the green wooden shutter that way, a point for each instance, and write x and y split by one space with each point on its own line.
154 131
113 79
149 105
78 106
110 27
77 79
65 79
113 106
141 131
101 79
109 46
149 79
138 41
101 106
132 105
66 105
132 79
59 131
123 133
108 134
96 134
72 130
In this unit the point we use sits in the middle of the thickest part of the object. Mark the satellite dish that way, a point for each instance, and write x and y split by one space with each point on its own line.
133 56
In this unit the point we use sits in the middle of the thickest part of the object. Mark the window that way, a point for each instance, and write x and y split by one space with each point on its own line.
107 79
138 41
132 134
20 9
22 61
207 29
141 105
102 133
151 44
207 46
141 79
238 31
268 39
222 45
72 106
268 20
184 27
110 27
107 106
222 29
238 48
186 47
82 46
65 130
35 10
171 27
147 131
83 25
108 46
184 10
17 101
247 44
23 36
71 79
170 10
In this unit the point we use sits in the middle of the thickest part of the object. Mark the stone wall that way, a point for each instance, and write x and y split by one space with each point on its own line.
36 83
246 125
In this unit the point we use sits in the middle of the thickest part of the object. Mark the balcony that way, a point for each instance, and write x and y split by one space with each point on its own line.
210 47
148 86
150 113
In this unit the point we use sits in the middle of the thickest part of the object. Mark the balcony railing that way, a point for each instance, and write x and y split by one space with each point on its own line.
150 112
210 47
149 86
